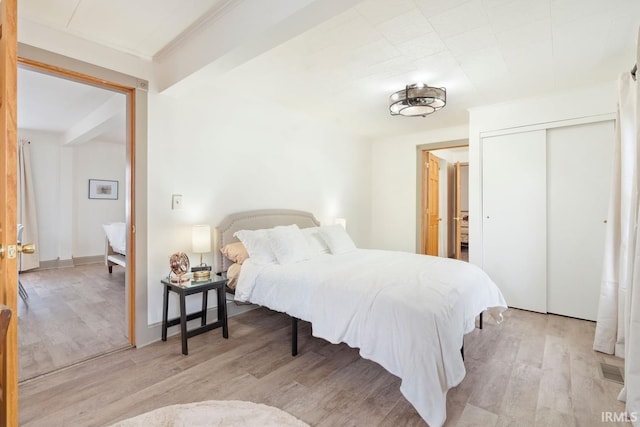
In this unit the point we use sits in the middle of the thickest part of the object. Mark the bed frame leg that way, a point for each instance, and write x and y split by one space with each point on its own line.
481 319
294 336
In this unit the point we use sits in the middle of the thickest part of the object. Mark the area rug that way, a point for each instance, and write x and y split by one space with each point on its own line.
214 413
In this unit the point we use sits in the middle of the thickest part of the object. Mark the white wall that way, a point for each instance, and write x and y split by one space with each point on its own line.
69 225
586 103
96 160
394 185
226 155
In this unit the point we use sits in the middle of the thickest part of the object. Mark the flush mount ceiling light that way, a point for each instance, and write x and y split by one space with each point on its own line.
417 99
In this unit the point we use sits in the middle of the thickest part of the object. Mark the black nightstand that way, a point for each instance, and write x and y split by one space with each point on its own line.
192 287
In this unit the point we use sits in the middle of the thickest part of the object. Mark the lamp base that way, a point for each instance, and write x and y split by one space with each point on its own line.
202 275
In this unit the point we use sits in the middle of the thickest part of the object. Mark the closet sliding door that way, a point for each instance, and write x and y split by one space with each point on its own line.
514 193
579 166
545 200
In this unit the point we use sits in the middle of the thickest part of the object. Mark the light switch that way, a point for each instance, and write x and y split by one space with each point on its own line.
176 201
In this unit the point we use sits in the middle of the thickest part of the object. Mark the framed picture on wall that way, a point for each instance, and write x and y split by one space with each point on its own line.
101 189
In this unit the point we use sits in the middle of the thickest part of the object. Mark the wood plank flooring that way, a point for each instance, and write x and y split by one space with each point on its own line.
73 314
531 370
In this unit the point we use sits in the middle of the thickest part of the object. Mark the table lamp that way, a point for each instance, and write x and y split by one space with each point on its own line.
201 244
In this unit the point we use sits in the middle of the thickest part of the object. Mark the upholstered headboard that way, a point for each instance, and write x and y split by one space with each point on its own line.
255 220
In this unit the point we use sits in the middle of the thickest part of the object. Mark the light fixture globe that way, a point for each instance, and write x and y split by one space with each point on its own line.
417 100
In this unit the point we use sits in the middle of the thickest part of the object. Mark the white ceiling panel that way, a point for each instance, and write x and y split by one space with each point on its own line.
150 24
580 42
349 31
56 14
489 4
484 65
439 66
327 36
116 22
472 41
376 12
565 11
526 35
371 54
405 27
516 13
533 67
344 69
436 7
422 46
623 34
468 16
140 27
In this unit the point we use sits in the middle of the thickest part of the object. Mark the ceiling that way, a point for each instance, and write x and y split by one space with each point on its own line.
68 108
343 70
140 27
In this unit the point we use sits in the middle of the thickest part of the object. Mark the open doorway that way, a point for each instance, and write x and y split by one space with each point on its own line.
444 202
74 134
461 210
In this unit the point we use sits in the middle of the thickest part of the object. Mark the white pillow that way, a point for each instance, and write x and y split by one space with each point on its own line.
336 237
117 235
289 244
315 242
257 245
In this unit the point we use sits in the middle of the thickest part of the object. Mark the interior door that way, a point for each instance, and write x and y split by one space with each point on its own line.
514 211
433 207
8 195
579 165
458 215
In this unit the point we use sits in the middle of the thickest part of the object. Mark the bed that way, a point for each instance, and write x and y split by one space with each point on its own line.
407 312
115 252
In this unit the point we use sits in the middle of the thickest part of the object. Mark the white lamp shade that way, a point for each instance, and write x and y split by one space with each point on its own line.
201 239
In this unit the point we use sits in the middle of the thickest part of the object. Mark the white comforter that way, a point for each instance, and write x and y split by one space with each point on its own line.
406 312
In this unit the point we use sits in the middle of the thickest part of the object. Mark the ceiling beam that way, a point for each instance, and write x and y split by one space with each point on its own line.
97 122
237 32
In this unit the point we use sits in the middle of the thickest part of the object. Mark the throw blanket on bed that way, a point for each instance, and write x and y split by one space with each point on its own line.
405 311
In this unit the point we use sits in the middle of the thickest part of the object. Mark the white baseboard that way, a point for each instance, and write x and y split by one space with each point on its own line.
65 263
154 331
54 263
84 260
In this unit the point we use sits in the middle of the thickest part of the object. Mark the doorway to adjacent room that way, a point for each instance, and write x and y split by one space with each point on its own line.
444 202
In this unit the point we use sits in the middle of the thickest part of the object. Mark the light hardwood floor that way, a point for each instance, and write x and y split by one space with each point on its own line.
530 370
73 314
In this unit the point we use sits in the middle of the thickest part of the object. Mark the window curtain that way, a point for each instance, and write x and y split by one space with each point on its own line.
618 323
27 215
